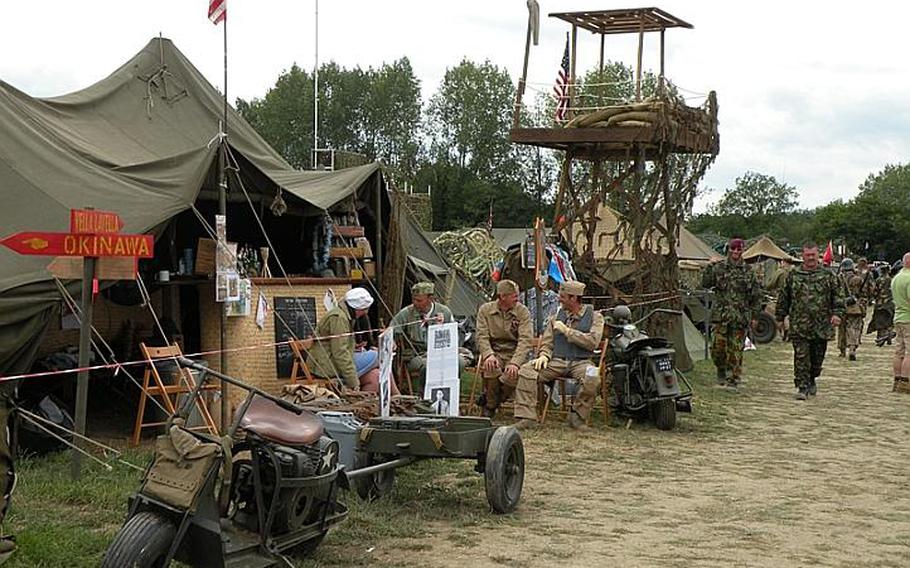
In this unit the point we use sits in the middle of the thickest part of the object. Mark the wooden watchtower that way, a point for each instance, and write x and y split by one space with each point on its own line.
646 154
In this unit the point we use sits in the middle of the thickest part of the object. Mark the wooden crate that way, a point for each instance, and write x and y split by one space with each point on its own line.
205 257
346 252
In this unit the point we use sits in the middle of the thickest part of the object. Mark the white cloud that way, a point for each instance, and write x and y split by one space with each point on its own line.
810 93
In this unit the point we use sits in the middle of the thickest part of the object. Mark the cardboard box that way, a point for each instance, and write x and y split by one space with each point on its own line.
369 268
346 252
205 257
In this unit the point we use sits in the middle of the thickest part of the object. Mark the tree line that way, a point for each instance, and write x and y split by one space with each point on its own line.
456 143
875 223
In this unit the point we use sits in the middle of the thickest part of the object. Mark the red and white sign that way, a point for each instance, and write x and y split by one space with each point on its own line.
70 244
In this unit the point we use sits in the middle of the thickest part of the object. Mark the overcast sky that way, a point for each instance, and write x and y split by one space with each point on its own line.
815 95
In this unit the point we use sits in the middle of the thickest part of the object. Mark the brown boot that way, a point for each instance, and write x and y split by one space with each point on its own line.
576 422
526 424
903 385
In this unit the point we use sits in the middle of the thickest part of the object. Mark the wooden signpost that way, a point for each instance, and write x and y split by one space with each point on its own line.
94 235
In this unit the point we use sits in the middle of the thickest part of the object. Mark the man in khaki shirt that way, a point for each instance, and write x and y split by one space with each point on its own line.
504 334
566 350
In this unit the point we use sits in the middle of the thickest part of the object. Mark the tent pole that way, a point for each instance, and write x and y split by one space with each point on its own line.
222 210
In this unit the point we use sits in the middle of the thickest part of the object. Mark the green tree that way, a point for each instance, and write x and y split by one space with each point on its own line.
757 195
468 120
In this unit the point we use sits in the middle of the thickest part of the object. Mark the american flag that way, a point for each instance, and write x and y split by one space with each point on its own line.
561 88
217 11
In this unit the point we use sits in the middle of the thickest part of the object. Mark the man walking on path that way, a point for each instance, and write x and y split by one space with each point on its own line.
737 301
900 291
813 298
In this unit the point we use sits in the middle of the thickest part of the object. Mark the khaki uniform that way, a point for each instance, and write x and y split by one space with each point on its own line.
334 357
411 338
569 357
507 336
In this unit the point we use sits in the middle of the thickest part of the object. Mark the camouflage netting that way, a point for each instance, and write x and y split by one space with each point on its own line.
651 191
473 251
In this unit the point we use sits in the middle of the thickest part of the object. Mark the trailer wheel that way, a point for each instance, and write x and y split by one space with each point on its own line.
765 328
143 542
372 487
504 471
663 412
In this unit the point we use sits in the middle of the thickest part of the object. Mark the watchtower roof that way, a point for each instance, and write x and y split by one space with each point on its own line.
630 20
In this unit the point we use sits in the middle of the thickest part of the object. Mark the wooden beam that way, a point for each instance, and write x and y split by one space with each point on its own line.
641 44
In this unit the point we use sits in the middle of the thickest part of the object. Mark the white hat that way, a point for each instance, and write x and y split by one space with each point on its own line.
358 299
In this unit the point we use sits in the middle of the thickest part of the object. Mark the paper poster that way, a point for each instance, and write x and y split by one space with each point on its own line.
243 306
262 310
443 383
386 354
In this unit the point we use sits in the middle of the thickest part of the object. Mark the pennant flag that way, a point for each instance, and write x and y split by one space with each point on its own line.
217 11
828 257
561 89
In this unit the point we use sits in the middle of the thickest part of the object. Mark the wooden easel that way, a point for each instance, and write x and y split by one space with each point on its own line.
168 393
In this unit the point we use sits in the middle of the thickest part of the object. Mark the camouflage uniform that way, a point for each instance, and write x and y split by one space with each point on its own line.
737 301
507 336
859 286
883 314
810 298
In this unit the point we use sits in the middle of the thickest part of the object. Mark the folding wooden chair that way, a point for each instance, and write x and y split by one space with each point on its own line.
169 394
300 371
543 397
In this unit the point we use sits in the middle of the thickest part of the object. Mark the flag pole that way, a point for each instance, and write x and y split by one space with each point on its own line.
316 93
222 210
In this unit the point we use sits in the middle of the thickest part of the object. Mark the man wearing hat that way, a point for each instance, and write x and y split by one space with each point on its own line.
566 350
858 290
411 324
737 302
504 335
332 355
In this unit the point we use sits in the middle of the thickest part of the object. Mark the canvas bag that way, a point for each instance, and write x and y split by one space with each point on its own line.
181 464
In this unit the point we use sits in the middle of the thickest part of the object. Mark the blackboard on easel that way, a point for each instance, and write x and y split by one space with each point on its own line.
300 315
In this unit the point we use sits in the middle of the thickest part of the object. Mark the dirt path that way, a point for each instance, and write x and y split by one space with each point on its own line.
760 479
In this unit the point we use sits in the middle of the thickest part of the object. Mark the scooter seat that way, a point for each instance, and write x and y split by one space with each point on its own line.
268 420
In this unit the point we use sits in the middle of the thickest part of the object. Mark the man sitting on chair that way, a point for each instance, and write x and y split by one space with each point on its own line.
411 324
566 350
333 355
504 335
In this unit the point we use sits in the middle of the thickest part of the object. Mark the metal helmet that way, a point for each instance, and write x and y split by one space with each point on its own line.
622 313
846 264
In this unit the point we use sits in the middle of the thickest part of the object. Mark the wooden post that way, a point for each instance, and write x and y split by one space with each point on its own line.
572 72
601 88
85 342
519 93
662 80
641 43
378 210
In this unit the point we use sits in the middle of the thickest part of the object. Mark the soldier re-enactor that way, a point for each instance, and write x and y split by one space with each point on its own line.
504 334
566 350
883 313
858 290
813 298
737 301
900 291
411 324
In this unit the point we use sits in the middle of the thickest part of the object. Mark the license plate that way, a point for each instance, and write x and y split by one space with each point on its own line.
664 365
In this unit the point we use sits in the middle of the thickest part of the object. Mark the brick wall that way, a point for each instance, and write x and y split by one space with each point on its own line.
256 365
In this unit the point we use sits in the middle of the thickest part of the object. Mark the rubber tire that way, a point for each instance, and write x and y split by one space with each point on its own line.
765 328
375 486
663 412
504 470
142 542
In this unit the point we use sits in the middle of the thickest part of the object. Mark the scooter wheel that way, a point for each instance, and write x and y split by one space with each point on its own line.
142 542
504 470
663 412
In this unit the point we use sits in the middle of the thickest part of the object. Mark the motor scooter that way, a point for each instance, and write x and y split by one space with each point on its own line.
644 379
268 488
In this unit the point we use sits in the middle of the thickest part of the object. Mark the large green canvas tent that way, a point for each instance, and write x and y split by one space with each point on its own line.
141 143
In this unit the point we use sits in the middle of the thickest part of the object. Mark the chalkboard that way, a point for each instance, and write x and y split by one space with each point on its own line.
300 315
